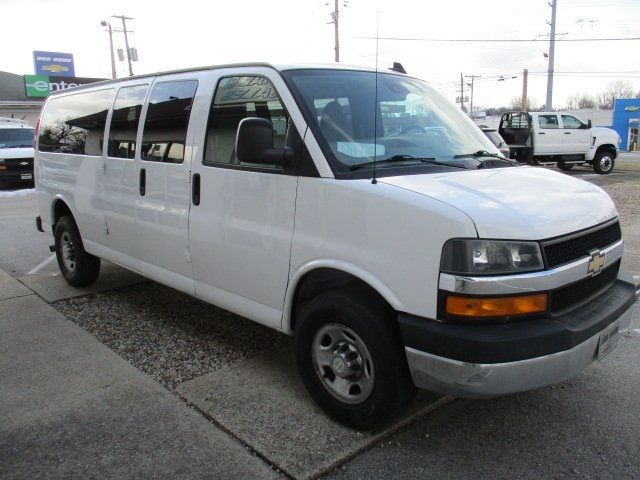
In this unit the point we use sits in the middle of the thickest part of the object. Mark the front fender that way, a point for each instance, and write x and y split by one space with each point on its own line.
358 272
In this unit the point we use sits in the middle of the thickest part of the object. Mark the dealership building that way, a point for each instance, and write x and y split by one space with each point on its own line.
626 116
14 102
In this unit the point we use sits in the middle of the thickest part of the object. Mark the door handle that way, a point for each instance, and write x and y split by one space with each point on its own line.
541 133
567 133
195 189
143 182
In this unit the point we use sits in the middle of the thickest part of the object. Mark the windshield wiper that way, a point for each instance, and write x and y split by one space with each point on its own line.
403 158
14 146
485 153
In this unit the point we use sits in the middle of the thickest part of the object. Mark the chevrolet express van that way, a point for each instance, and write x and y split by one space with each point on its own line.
348 208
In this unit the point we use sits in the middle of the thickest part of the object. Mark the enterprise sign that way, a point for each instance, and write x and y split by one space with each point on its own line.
40 86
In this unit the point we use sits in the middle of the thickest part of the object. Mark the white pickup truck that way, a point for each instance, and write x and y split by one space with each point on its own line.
560 138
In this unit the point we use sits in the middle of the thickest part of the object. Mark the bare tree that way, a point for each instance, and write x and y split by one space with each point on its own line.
616 89
581 100
516 104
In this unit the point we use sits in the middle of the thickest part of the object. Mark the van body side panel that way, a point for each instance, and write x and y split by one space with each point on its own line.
375 228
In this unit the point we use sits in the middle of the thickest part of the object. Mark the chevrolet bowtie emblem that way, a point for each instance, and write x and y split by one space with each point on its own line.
24 164
596 262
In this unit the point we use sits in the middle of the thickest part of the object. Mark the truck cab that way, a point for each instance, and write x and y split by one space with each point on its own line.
559 138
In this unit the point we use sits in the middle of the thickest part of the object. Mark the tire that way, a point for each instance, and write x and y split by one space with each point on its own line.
78 267
603 162
565 166
362 333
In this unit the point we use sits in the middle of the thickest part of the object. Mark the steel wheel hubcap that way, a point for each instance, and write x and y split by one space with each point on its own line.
605 163
68 252
343 363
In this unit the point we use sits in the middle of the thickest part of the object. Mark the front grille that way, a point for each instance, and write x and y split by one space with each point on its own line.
558 252
14 163
575 293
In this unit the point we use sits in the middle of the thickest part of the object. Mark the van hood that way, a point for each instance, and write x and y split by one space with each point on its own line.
518 203
22 152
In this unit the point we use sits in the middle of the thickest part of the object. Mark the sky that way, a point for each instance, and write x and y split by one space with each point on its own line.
186 33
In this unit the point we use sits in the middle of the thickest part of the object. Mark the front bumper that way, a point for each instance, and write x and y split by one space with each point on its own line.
477 361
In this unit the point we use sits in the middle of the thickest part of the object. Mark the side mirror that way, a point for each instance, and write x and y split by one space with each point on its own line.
254 143
589 125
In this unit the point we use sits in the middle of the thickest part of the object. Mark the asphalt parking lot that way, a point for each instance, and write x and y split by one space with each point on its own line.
214 362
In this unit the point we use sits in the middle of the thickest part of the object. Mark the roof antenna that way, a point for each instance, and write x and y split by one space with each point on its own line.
375 104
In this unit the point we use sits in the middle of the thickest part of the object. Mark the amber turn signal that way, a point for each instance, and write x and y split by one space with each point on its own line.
496 306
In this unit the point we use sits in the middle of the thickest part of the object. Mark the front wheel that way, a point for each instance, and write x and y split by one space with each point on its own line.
603 162
78 267
351 359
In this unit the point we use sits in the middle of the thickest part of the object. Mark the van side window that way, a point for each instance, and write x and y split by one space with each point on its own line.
124 121
548 121
237 98
75 123
165 127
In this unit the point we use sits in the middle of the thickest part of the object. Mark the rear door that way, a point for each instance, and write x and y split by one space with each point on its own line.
162 210
549 136
241 224
120 176
576 135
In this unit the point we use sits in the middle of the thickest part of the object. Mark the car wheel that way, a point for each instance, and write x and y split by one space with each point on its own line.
603 162
351 359
78 267
565 166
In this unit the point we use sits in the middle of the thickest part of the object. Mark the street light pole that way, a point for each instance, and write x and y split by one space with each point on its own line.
552 48
113 59
126 40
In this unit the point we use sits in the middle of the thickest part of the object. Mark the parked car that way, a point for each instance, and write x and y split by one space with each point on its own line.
279 193
559 138
16 152
493 135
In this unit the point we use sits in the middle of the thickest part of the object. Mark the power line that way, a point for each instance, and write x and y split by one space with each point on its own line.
500 40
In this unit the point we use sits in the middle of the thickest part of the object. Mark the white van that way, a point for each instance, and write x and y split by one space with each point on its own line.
348 208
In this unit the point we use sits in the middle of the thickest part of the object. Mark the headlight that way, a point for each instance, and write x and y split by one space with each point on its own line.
490 257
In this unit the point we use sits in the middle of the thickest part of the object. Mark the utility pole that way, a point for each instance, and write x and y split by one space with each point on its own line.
472 77
525 77
336 30
126 39
113 59
462 91
552 45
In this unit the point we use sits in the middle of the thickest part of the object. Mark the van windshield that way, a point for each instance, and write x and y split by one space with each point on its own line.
16 137
410 124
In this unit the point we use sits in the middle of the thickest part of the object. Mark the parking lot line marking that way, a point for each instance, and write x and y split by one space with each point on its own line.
43 264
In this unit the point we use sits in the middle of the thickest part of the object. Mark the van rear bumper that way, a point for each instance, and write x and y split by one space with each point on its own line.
477 361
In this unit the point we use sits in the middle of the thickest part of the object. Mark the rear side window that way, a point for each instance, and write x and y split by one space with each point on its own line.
237 98
165 127
124 121
75 123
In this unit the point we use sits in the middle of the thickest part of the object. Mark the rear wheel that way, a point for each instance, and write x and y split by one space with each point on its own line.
351 359
565 166
78 267
603 162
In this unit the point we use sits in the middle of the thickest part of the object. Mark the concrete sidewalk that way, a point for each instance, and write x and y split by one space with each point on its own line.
72 408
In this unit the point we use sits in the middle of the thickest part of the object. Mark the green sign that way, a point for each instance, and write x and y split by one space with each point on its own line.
36 86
